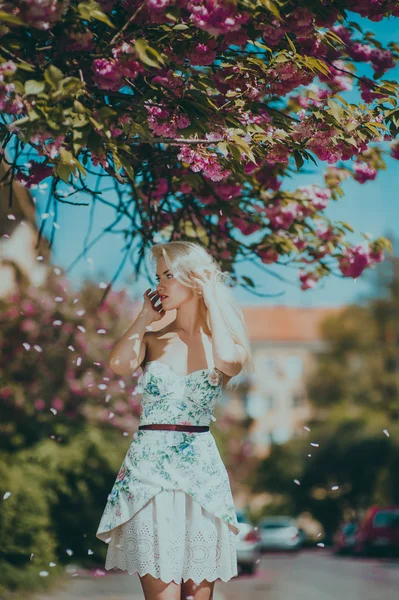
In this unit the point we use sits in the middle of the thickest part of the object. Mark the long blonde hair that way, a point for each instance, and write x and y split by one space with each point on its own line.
182 257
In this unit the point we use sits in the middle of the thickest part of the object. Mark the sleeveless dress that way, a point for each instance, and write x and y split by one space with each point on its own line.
171 512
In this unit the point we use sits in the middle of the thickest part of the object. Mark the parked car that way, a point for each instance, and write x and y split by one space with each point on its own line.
344 540
248 544
378 531
280 533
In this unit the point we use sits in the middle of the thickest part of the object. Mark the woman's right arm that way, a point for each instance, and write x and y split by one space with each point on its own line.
128 353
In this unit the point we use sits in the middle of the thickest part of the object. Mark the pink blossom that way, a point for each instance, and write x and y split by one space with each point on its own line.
325 233
203 54
216 16
185 188
354 260
363 172
57 403
308 280
203 160
40 404
43 14
78 40
268 255
227 191
37 172
377 255
319 197
246 227
273 32
367 87
282 216
395 150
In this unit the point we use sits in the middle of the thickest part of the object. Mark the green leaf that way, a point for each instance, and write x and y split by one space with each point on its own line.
53 75
148 55
34 87
128 167
291 44
10 19
248 280
298 159
271 6
92 10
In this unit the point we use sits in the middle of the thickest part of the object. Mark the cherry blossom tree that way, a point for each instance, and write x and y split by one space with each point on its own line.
195 112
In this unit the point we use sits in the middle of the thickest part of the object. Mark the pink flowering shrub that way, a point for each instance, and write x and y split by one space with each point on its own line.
54 377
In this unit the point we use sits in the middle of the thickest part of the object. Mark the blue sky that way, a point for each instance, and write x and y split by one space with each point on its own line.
372 207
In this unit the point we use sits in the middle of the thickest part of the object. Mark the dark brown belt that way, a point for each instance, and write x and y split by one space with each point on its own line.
176 427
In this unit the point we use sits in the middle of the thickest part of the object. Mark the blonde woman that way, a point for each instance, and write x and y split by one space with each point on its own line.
170 516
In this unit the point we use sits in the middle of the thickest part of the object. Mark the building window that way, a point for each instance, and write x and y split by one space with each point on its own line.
293 367
255 404
298 399
269 365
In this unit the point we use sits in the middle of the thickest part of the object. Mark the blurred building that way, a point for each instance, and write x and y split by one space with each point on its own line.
285 341
19 237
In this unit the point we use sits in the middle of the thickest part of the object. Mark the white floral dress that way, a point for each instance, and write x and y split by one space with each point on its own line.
171 512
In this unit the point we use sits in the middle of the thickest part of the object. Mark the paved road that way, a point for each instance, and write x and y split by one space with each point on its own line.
309 575
317 575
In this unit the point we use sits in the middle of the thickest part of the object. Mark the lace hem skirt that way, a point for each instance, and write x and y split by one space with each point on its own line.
173 537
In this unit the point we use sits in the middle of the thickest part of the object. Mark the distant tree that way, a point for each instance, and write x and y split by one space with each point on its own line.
360 367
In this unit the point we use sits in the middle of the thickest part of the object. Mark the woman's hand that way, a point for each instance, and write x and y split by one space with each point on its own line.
154 312
206 282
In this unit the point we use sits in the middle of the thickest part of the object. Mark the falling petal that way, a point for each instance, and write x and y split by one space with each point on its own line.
314 444
307 428
59 299
80 312
6 495
101 331
81 328
335 487
69 552
11 217
57 322
54 411
79 361
43 573
26 346
297 481
386 432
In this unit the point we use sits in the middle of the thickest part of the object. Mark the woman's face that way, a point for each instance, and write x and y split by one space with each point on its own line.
167 285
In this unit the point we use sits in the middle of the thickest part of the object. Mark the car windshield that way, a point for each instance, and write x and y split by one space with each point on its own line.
386 518
349 528
277 524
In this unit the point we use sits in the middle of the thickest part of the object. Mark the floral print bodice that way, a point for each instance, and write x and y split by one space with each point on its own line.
178 399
